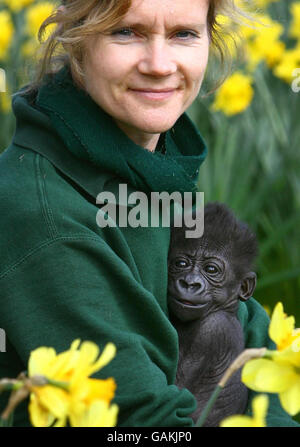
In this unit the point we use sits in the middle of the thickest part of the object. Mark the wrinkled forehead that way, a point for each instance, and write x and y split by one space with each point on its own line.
168 13
207 245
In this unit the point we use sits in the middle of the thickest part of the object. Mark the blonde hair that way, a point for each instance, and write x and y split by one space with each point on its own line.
80 19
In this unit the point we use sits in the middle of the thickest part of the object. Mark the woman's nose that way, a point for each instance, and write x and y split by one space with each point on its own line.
157 60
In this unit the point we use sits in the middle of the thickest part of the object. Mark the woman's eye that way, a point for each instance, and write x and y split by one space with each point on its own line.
211 269
124 32
185 35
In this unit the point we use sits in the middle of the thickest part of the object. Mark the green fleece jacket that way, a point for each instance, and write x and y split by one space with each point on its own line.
63 277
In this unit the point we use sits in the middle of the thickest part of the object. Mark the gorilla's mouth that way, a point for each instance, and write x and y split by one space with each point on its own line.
190 304
187 303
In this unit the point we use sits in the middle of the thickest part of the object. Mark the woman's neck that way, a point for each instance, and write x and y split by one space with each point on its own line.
146 140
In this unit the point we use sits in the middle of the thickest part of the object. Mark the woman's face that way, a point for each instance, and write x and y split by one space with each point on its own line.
146 71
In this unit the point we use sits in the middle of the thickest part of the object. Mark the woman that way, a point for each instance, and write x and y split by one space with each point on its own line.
114 114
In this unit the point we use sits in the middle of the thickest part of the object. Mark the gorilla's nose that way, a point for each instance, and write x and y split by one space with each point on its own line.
189 287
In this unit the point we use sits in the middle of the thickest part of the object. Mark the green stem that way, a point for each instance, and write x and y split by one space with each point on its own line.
208 407
62 385
271 109
10 386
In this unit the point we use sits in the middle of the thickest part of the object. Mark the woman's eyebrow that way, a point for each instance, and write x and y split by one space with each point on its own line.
186 25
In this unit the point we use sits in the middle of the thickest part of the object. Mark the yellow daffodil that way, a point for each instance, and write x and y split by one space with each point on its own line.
268 50
279 372
75 391
262 41
267 28
17 5
36 15
235 95
259 408
6 33
290 60
294 30
282 328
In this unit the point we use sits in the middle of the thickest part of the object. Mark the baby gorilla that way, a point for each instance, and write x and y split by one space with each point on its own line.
207 278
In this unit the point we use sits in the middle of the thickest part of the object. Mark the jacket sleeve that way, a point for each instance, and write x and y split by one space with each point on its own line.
77 287
256 322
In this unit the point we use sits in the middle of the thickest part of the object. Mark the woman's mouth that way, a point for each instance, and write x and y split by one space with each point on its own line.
154 95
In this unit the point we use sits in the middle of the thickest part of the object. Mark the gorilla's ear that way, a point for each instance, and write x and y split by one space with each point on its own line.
247 286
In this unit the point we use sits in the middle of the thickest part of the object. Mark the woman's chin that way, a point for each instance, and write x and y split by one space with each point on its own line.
141 131
156 125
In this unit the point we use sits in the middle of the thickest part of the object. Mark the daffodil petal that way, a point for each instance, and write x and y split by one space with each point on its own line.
109 418
260 406
290 399
99 414
75 344
281 327
39 416
288 356
267 375
64 365
89 352
54 399
87 356
88 363
237 421
107 355
39 360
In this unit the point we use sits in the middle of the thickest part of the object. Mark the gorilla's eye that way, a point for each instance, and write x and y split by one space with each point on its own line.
211 269
181 263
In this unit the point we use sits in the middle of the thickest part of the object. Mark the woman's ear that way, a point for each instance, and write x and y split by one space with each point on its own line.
247 286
